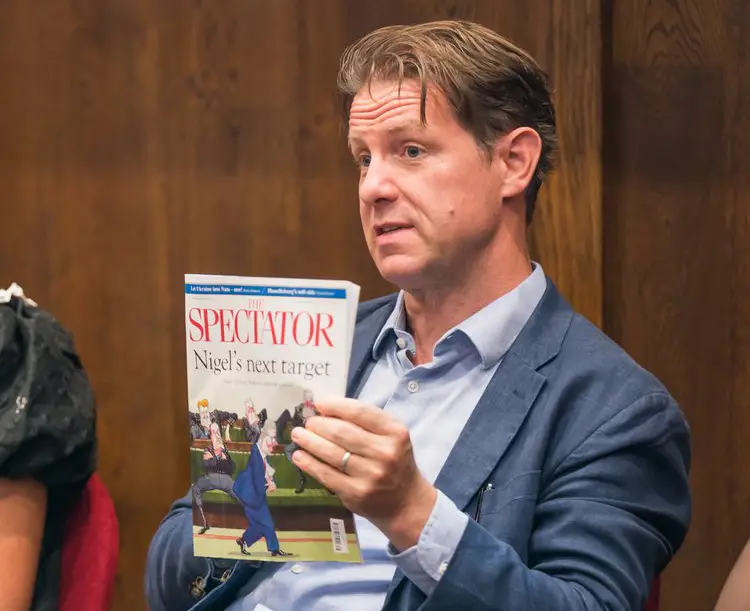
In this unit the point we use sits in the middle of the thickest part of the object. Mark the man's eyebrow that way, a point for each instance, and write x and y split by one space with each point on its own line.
396 128
406 126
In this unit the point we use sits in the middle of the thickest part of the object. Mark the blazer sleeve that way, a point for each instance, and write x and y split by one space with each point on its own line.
171 566
607 522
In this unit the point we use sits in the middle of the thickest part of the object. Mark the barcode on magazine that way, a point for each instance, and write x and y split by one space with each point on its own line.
338 534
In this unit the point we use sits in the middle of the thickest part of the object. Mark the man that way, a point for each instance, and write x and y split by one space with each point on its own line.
250 490
302 413
253 423
501 453
199 427
218 468
225 420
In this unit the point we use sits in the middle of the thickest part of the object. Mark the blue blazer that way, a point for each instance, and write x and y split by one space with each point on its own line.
250 484
573 469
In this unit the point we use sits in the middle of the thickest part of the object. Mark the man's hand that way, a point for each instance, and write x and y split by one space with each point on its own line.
381 481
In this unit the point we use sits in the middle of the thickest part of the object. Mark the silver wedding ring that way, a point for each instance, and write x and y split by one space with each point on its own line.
344 461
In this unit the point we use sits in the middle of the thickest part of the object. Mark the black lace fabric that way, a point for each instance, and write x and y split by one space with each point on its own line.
47 423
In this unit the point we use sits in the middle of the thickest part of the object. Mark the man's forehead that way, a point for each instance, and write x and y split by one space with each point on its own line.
390 108
401 107
392 117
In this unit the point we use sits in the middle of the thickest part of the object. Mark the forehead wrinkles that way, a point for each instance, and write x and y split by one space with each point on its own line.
371 109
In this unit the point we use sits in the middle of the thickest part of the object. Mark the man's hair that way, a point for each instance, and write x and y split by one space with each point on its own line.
492 85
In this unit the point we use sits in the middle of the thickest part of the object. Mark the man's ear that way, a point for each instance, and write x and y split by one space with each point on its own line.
519 152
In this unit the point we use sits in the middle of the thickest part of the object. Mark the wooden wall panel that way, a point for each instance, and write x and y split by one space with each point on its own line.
676 226
567 233
141 140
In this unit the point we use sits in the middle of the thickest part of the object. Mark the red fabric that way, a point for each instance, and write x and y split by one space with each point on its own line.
653 599
90 551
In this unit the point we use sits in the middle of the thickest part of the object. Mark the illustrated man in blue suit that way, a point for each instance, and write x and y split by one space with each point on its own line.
499 452
250 489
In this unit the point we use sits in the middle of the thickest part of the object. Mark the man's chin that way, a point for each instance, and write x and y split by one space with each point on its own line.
406 275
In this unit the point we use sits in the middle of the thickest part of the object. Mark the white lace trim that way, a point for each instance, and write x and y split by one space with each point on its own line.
15 291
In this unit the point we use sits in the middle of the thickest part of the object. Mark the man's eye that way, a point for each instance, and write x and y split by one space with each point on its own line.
364 161
413 151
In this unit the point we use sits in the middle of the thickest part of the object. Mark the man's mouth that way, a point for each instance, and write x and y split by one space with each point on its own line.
384 229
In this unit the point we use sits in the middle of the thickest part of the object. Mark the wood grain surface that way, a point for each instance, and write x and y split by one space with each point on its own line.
676 226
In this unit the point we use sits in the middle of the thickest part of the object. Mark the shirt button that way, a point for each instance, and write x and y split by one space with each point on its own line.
443 568
401 343
413 386
297 569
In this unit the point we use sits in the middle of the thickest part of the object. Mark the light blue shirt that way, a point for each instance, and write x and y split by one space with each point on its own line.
434 401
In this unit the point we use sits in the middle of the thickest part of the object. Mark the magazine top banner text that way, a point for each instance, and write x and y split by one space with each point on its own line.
268 291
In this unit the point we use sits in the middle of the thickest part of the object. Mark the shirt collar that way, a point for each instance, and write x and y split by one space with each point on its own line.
396 320
492 330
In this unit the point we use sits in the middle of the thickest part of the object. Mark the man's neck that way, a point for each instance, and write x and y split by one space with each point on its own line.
432 312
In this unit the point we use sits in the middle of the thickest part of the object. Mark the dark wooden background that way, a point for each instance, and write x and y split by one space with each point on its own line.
141 140
676 227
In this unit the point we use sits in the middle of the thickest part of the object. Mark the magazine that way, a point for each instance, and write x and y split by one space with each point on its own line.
260 353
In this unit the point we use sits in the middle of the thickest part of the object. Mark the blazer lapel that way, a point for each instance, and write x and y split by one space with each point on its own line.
506 401
490 429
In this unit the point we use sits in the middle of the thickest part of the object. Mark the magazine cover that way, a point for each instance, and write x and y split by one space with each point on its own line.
260 353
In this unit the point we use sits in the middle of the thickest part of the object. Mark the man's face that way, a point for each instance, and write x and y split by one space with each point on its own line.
205 417
428 195
268 443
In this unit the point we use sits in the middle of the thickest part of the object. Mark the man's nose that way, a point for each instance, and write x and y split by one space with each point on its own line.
377 184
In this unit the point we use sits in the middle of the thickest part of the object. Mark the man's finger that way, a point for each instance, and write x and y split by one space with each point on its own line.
345 435
367 416
329 477
324 450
